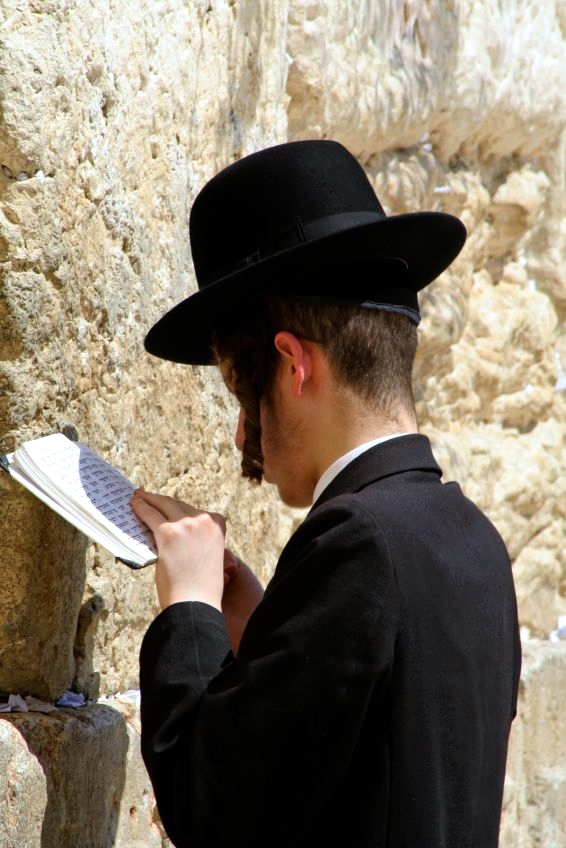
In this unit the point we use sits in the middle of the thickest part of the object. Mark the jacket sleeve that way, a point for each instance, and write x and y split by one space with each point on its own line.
260 744
182 651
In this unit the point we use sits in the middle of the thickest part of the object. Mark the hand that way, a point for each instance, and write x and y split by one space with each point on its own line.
190 547
242 593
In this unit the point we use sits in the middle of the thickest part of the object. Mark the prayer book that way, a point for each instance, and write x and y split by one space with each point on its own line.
87 492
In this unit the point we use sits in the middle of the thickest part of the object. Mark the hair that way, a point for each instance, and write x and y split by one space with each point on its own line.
371 352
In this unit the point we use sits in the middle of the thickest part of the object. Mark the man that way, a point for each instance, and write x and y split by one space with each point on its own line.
366 699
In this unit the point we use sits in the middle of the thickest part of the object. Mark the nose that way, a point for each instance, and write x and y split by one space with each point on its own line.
240 435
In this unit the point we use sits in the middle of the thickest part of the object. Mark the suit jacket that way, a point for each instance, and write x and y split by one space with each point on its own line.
371 700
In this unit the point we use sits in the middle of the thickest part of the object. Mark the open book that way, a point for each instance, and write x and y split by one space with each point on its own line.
87 492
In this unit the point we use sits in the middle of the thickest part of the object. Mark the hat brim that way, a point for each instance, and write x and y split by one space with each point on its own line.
426 241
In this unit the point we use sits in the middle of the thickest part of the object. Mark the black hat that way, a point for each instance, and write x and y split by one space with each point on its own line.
299 220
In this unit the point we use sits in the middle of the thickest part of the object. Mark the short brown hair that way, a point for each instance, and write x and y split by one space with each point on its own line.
370 351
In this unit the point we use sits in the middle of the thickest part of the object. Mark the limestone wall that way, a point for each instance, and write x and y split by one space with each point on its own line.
112 115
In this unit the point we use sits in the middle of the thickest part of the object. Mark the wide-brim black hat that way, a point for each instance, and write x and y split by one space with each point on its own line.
299 220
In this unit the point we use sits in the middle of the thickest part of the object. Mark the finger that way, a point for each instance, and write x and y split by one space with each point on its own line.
230 566
154 510
147 513
230 560
170 508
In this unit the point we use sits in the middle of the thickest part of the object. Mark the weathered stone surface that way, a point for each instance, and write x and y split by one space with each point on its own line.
103 148
112 116
138 824
86 781
535 788
23 793
43 570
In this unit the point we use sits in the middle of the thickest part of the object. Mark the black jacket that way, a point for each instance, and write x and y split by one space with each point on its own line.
375 685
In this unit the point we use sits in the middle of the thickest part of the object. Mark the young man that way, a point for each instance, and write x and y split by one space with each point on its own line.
366 698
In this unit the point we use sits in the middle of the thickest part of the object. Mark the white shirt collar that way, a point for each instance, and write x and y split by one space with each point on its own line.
333 470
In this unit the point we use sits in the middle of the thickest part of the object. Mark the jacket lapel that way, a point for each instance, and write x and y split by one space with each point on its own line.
405 453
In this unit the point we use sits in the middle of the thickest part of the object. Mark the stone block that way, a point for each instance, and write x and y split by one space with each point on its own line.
535 788
42 586
75 778
23 791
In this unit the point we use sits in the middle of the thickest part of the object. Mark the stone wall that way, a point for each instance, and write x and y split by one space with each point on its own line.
112 115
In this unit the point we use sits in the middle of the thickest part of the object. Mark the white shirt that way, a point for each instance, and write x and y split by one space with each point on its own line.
333 470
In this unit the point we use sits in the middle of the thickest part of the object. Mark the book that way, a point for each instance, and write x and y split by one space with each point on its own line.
86 491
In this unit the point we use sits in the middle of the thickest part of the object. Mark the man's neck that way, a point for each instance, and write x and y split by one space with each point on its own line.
352 425
339 464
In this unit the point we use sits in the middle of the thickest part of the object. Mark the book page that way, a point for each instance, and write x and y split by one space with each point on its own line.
87 480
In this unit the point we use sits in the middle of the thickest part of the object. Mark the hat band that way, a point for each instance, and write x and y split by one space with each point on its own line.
410 308
296 233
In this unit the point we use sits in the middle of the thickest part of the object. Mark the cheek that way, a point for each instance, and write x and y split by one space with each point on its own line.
271 436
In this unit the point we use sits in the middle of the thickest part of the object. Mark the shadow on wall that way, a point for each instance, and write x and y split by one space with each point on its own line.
86 679
83 755
43 569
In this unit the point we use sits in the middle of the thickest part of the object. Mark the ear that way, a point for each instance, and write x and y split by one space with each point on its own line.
297 358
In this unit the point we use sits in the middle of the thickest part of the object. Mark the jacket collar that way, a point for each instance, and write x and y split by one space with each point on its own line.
404 453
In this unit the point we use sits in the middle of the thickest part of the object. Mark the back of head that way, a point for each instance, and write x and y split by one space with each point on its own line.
294 238
370 353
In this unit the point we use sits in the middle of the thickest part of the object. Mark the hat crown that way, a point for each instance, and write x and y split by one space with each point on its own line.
300 220
275 199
